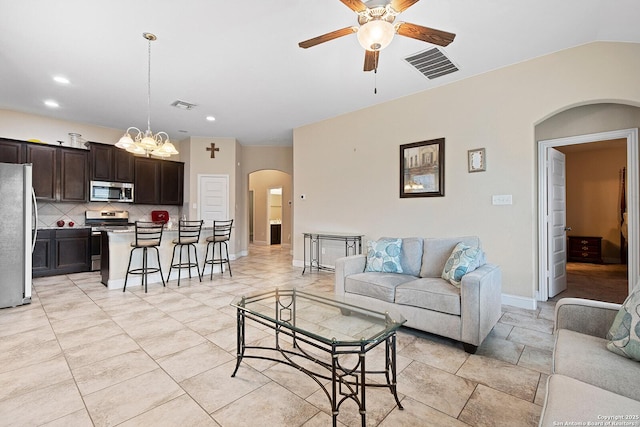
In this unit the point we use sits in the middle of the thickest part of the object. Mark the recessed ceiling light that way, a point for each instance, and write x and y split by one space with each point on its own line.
51 103
211 118
62 80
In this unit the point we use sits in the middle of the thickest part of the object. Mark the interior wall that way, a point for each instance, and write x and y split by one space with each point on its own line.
200 162
593 193
258 158
497 111
24 126
260 182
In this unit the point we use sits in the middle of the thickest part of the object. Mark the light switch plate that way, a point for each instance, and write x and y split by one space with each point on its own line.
502 199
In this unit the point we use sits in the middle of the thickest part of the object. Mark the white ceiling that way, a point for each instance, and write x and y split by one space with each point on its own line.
239 60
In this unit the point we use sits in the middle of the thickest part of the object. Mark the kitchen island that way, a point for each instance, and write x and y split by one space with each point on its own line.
116 247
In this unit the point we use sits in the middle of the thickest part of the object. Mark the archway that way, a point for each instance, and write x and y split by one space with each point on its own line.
583 125
267 209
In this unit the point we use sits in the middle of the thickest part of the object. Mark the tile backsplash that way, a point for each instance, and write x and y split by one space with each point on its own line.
50 213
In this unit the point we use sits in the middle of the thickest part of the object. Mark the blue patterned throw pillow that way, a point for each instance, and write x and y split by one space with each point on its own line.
384 256
624 335
463 259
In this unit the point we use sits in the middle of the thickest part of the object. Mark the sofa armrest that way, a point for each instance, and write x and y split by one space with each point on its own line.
585 316
346 266
481 303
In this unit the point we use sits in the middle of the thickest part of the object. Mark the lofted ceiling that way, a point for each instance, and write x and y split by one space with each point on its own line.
239 61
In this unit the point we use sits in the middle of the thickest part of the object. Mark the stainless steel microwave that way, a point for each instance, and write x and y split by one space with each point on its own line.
102 191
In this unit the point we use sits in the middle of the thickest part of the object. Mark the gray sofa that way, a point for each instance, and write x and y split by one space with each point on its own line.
427 301
589 384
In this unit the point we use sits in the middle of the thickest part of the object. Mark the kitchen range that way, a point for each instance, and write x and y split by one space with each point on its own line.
103 221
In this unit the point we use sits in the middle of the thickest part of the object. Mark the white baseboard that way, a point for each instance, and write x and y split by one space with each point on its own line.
520 302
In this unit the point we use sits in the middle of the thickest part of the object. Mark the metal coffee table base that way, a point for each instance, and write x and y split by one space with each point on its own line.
346 382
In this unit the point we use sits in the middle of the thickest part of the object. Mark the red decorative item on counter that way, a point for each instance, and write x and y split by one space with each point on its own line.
60 223
71 224
160 216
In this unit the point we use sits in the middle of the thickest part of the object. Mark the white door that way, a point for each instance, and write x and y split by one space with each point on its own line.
213 198
556 222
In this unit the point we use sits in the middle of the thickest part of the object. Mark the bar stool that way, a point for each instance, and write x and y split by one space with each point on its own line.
188 235
221 235
148 236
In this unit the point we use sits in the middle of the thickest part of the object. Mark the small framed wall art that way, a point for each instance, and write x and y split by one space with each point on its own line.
422 169
477 160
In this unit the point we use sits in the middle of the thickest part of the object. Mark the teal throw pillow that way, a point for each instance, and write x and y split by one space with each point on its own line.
624 335
384 256
463 259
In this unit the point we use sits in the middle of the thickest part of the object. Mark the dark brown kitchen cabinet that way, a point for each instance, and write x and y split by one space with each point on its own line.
62 251
42 264
158 182
59 174
123 166
147 181
74 175
11 151
45 170
109 163
171 183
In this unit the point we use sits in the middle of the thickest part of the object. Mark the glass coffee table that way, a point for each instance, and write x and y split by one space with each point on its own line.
325 337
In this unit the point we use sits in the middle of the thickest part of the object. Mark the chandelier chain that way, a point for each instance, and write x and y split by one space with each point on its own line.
147 143
149 86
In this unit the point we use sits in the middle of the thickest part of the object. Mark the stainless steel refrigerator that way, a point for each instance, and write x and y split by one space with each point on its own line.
17 233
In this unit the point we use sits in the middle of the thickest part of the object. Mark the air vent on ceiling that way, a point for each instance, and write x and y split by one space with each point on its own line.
432 63
183 105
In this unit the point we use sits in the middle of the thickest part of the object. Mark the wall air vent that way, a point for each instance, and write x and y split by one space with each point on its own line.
431 63
183 105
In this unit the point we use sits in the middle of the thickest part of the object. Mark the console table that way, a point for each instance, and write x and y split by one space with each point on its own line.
352 245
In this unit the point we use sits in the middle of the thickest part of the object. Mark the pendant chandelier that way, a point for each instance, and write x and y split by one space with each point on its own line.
147 143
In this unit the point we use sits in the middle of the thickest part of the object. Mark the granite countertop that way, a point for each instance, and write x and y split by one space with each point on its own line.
66 227
132 229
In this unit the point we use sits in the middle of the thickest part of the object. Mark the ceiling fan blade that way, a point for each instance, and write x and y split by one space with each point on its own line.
400 5
329 36
371 58
429 35
355 5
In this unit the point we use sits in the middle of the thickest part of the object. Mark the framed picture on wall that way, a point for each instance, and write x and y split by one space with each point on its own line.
422 169
477 160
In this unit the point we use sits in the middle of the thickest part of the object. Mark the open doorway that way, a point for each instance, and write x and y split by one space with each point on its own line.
270 205
274 208
553 247
596 258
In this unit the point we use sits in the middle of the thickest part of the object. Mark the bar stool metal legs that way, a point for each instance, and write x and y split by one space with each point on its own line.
188 236
148 235
221 236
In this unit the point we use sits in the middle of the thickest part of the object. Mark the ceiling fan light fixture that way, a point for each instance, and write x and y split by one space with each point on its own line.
376 34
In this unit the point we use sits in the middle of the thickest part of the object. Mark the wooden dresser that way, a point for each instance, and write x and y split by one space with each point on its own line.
584 249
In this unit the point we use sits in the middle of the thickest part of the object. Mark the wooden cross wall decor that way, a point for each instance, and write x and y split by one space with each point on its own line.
213 150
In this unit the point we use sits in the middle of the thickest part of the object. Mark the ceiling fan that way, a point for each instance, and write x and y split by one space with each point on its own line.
377 28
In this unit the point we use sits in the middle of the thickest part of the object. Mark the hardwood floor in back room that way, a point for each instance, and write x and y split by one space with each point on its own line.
603 282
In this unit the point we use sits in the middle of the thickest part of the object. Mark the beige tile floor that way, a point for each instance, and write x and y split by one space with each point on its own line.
81 355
